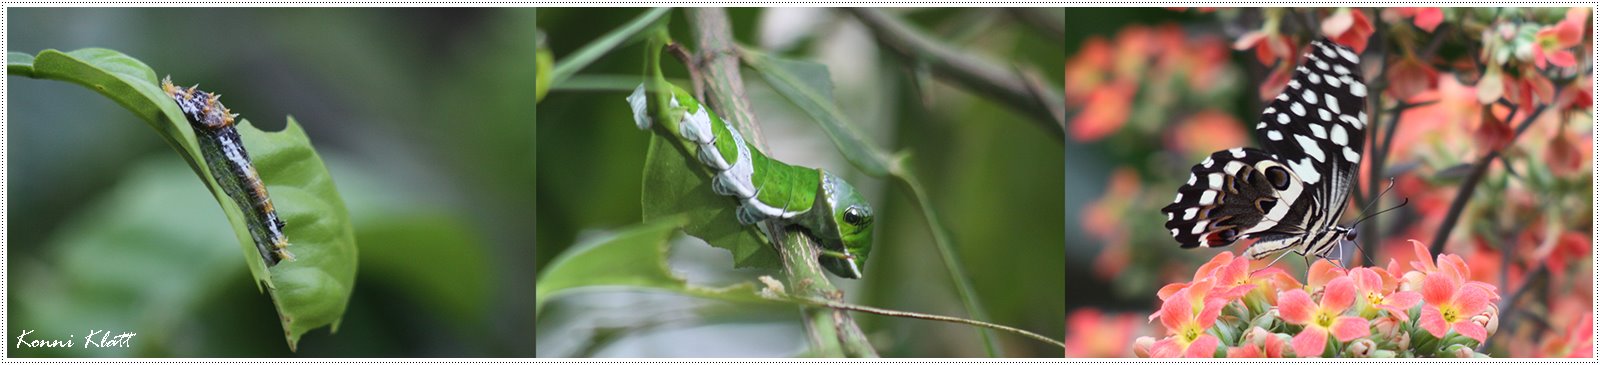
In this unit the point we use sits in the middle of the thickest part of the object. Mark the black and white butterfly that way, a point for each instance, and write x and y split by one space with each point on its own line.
1291 193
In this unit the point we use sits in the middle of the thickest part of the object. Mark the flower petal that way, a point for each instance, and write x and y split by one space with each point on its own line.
1438 289
1472 330
1428 19
1402 301
1433 322
1244 352
1167 347
1175 311
1473 299
1341 292
1310 342
1205 346
1349 328
1294 306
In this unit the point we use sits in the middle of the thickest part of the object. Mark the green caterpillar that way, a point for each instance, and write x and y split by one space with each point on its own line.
822 206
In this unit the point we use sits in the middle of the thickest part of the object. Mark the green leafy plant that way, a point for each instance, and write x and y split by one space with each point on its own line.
677 193
311 291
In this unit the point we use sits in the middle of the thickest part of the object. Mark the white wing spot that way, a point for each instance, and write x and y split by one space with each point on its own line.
1310 145
1311 97
1322 65
1349 55
1237 152
1326 51
1315 80
1340 137
1179 198
1260 125
1305 170
1326 116
1351 155
1341 69
1283 118
1274 135
1317 130
1294 84
1198 227
1333 104
1214 180
1334 82
1358 89
1191 179
1208 162
1299 110
1283 96
1175 232
1347 119
1189 213
1208 197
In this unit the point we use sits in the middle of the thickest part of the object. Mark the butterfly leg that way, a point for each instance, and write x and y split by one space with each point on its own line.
1275 261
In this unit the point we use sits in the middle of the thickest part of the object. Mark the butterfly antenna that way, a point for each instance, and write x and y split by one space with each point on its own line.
1375 201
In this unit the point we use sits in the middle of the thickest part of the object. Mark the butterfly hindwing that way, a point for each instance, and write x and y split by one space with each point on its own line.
1233 194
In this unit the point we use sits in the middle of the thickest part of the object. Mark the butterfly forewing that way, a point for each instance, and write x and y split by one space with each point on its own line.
1290 193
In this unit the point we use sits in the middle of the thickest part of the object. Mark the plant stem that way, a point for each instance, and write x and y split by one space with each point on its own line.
1024 93
719 65
931 317
1459 204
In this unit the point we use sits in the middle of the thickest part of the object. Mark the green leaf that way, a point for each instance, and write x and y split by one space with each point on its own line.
591 52
676 184
809 86
313 290
634 258
18 63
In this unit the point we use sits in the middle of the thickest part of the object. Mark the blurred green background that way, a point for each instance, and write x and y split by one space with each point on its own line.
994 178
424 117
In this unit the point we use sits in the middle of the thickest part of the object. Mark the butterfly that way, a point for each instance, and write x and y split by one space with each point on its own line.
1290 193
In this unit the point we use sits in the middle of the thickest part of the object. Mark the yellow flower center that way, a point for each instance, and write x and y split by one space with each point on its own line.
1374 298
1191 333
1450 313
1324 319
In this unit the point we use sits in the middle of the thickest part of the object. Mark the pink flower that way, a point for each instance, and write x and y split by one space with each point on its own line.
1091 333
1104 112
1409 77
1258 343
1322 318
1426 18
1451 305
1349 27
1374 292
1186 326
1553 44
1269 46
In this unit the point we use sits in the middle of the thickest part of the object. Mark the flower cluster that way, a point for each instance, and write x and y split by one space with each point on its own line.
1431 309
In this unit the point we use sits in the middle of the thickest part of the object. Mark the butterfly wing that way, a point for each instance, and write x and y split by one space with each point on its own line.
1233 194
1313 134
1317 126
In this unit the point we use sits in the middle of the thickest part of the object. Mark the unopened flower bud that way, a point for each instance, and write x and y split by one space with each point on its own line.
1362 348
1489 319
1460 351
1386 327
1402 341
1141 346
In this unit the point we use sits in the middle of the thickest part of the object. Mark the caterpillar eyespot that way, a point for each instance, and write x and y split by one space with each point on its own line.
230 164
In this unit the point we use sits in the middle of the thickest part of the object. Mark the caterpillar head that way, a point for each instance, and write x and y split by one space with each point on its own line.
202 109
847 234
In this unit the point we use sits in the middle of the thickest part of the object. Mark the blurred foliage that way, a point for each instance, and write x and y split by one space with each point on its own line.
1484 116
429 146
988 171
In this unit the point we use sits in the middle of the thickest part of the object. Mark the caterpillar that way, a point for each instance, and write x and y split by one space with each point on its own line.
815 202
229 162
